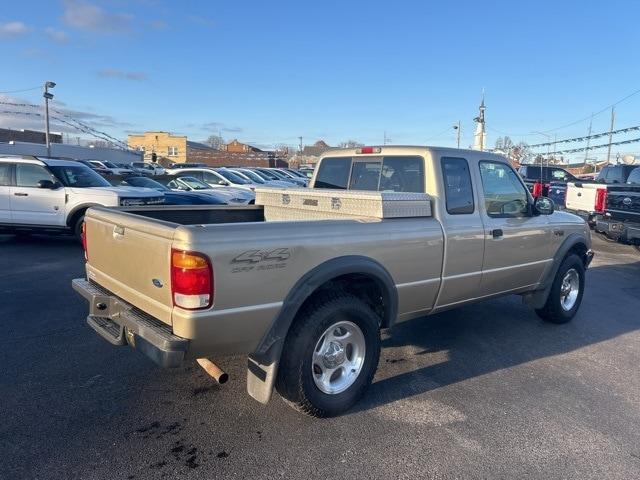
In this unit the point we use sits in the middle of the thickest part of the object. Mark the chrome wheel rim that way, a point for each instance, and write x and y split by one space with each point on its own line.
338 357
569 289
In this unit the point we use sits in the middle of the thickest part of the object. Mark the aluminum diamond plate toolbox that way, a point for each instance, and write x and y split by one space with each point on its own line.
324 204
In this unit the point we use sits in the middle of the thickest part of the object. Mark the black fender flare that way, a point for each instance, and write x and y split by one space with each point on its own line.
310 282
538 298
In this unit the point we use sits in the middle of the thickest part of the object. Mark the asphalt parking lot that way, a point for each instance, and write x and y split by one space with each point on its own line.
487 391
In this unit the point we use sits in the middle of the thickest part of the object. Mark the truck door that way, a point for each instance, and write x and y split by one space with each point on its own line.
464 234
31 205
517 243
6 179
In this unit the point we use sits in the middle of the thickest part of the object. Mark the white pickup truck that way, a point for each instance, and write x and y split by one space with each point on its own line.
44 194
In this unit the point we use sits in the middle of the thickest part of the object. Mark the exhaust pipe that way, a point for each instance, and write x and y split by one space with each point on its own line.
213 370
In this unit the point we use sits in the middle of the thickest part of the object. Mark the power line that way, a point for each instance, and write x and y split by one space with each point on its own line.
593 147
588 137
22 90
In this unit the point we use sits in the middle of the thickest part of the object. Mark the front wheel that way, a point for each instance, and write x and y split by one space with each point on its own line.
330 355
565 296
77 228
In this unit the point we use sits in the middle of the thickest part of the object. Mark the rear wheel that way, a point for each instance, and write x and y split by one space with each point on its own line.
77 228
566 292
330 355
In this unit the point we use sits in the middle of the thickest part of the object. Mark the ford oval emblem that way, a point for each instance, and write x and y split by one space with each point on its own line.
156 283
627 201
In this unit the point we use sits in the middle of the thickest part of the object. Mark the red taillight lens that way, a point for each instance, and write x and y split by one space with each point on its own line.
601 200
537 189
83 238
191 280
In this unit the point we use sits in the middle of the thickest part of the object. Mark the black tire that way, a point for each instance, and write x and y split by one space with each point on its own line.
295 382
553 311
77 228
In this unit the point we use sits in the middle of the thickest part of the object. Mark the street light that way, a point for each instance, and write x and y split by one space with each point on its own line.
47 96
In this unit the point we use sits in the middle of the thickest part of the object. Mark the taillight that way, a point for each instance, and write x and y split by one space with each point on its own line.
537 189
83 238
191 280
601 200
369 150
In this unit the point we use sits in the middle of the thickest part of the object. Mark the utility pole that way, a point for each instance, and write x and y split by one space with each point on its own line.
300 138
47 96
613 119
586 151
457 129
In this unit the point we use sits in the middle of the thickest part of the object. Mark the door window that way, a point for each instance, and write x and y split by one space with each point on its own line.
504 194
211 178
457 185
5 174
28 175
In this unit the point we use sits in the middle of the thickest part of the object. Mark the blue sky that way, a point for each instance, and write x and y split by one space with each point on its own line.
268 72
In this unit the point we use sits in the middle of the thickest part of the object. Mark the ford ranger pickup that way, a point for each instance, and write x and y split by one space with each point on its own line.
303 281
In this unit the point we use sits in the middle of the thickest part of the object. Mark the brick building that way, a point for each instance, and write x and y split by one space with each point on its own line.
177 149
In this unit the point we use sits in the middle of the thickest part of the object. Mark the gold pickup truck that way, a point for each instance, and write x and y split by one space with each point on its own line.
303 281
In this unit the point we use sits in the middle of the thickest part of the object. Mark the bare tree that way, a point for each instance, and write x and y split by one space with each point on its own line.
350 144
215 141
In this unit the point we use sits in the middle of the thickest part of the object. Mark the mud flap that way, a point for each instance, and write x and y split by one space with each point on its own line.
260 379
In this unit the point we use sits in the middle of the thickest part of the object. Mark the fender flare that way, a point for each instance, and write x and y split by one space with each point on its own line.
263 362
538 298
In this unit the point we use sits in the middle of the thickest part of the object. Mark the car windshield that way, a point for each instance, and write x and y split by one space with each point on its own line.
279 175
110 165
144 182
78 176
253 176
268 174
194 183
232 177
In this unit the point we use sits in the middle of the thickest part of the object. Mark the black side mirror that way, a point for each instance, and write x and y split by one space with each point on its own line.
543 206
47 184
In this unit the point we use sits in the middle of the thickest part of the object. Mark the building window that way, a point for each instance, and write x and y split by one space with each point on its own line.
173 151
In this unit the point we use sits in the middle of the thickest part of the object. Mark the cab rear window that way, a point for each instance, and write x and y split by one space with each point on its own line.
389 174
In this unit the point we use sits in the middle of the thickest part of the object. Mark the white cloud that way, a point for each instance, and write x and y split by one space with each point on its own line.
87 16
115 73
58 36
13 29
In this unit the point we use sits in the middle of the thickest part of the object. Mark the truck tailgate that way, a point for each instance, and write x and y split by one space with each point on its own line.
623 203
129 255
581 196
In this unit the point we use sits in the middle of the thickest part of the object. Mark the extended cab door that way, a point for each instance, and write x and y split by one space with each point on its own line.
517 243
464 233
31 205
6 180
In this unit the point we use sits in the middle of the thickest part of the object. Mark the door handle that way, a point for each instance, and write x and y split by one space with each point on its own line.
21 194
497 233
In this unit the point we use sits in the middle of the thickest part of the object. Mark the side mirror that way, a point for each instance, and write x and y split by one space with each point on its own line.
223 182
48 184
543 206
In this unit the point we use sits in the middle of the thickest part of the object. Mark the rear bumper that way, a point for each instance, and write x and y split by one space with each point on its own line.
625 232
120 324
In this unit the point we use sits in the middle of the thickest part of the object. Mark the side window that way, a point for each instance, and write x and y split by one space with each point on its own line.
365 175
333 173
457 185
28 175
504 195
210 178
558 175
634 176
5 174
402 174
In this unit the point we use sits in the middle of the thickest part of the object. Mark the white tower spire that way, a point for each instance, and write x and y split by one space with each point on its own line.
480 137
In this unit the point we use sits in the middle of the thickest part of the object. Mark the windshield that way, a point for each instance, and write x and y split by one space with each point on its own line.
269 175
279 174
78 176
253 176
144 182
232 177
194 183
110 165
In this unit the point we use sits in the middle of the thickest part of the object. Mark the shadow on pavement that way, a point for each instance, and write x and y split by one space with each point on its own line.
502 333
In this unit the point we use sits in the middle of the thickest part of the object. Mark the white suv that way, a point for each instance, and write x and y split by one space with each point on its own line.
52 195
